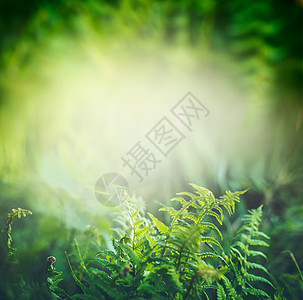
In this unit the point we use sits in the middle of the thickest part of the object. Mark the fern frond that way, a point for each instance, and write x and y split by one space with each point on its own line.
209 254
232 294
163 229
209 272
103 264
191 216
220 292
16 213
172 212
255 253
79 283
110 292
107 253
217 216
252 277
212 226
256 292
251 265
131 254
140 232
209 239
103 275
241 253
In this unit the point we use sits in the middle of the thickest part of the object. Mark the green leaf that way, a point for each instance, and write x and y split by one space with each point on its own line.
131 254
255 253
252 277
83 288
138 223
255 242
213 226
209 239
252 265
220 292
163 229
140 232
214 214
172 212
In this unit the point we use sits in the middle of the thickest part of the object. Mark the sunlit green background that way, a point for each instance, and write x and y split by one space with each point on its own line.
81 82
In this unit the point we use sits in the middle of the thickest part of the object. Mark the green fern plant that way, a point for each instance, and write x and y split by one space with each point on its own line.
242 262
16 213
159 261
182 259
189 233
52 279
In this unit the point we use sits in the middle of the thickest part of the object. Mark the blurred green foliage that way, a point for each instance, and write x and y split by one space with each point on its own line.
262 40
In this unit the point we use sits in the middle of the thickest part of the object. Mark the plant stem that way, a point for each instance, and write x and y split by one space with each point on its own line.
295 261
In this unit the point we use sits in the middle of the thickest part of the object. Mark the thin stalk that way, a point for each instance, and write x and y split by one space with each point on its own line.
295 261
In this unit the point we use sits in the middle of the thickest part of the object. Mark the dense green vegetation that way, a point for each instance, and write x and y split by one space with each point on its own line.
182 260
83 81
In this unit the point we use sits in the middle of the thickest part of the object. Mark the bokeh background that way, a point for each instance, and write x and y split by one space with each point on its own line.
81 82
